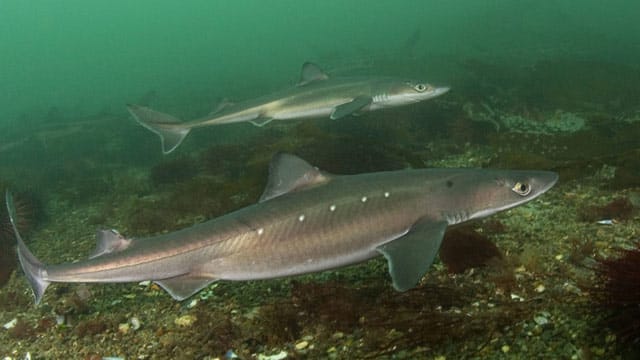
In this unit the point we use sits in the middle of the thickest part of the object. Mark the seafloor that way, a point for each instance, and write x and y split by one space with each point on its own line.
537 296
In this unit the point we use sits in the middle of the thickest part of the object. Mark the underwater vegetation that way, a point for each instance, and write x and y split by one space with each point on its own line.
384 320
29 212
558 153
464 248
88 179
356 147
619 295
619 209
173 171
182 201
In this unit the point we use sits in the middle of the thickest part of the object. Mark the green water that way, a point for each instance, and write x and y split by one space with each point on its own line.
87 56
547 85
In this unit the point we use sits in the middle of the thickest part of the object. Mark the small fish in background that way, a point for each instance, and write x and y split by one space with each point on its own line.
316 95
306 221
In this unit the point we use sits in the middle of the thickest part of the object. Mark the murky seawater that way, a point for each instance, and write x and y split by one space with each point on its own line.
546 86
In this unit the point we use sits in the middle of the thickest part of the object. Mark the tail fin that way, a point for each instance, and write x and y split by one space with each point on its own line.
31 266
169 128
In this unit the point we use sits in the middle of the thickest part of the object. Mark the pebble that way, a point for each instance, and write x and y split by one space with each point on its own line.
302 345
505 348
124 328
185 320
279 356
135 323
11 324
540 320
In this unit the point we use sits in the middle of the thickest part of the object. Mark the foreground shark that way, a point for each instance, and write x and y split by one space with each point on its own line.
306 221
316 95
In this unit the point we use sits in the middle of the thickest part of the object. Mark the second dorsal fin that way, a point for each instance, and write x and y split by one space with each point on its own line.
108 241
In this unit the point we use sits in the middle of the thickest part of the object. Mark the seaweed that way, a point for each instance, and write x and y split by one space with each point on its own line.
382 319
464 248
627 176
213 332
618 294
22 330
279 324
173 171
227 160
619 209
430 316
90 327
330 303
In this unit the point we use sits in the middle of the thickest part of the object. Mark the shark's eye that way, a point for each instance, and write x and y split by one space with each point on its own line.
522 189
421 87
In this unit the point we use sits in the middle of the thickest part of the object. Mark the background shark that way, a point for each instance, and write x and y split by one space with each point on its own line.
316 95
306 221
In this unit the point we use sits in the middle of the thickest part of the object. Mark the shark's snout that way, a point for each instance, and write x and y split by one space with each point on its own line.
441 90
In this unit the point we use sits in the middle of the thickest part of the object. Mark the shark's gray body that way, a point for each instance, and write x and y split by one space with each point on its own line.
306 221
316 95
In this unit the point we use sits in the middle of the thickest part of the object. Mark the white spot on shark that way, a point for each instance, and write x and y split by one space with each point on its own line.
260 231
386 194
364 199
301 218
332 208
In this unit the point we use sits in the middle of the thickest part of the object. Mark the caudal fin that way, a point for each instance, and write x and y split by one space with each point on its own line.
31 266
169 128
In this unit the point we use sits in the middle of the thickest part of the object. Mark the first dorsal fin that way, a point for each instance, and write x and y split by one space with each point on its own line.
311 72
108 241
222 105
289 173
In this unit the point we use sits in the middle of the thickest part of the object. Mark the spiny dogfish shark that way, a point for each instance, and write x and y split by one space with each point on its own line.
316 95
306 221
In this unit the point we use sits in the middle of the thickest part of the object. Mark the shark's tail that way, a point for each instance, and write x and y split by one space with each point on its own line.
170 129
31 266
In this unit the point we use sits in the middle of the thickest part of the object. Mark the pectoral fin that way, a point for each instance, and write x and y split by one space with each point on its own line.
410 256
351 107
